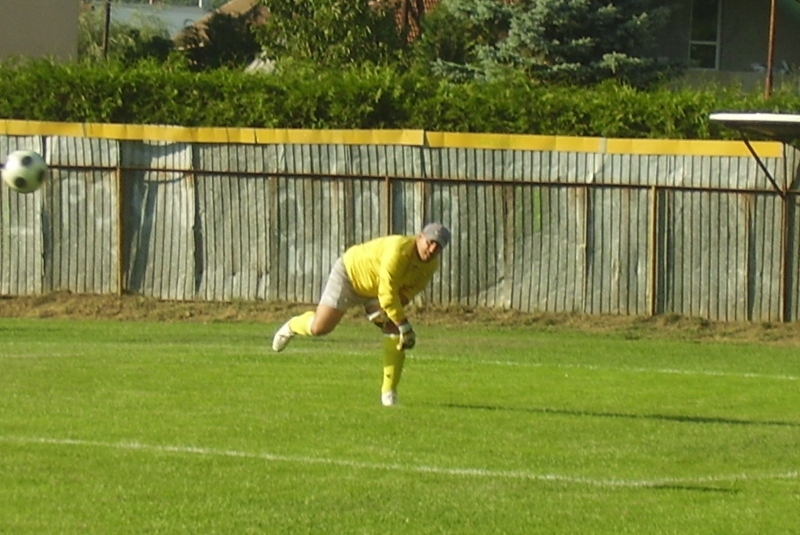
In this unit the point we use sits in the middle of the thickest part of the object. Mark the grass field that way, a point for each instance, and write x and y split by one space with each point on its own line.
140 427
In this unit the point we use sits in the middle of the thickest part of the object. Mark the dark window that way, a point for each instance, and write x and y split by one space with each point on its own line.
704 43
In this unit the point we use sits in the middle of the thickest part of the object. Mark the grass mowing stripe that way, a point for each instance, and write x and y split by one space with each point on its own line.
592 367
665 371
393 467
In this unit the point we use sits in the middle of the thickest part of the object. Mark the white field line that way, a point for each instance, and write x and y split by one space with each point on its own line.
420 469
208 350
592 367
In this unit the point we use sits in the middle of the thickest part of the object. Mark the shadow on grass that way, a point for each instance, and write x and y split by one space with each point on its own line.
596 414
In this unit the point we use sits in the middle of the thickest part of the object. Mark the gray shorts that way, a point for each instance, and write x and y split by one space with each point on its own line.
339 292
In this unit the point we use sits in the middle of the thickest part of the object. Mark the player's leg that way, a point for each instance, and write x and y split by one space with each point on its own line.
337 296
323 320
317 322
393 360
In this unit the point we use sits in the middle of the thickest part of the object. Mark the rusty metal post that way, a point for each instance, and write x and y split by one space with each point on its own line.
770 50
107 29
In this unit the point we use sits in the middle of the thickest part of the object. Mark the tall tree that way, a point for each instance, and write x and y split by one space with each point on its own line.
223 40
581 41
331 32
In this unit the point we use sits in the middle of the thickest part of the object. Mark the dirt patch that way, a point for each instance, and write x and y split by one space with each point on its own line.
138 308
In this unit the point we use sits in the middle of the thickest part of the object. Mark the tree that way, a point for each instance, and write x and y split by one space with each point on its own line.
576 41
222 41
331 32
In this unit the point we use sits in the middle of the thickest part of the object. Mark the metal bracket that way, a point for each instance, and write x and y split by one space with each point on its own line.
763 167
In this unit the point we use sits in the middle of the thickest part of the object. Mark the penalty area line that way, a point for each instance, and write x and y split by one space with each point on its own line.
420 469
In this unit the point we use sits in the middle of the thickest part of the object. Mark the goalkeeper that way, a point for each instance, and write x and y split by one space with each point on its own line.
382 275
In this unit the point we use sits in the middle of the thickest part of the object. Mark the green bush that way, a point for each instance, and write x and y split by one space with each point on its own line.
362 97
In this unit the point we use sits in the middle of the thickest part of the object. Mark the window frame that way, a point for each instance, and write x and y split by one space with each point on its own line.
697 42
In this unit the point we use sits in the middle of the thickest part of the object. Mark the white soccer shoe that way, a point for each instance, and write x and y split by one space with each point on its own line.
389 399
282 338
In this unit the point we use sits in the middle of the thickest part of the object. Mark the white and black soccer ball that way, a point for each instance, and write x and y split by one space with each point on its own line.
25 171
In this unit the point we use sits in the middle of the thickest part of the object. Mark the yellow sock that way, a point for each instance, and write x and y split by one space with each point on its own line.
393 360
302 324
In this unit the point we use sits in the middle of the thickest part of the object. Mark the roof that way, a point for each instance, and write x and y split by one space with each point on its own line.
233 8
172 18
782 127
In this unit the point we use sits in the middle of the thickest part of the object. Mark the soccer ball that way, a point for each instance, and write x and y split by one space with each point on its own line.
25 171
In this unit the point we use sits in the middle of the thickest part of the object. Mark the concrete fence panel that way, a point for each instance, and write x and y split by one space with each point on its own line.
540 223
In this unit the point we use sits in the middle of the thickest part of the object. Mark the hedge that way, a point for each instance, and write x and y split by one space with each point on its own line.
364 97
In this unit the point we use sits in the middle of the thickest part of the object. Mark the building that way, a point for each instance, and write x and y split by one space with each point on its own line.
729 41
733 35
39 28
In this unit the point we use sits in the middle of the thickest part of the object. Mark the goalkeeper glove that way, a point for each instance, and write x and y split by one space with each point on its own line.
408 338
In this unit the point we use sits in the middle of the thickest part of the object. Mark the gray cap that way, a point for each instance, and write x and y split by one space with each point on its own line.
437 232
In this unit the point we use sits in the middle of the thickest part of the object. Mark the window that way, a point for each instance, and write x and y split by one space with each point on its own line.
704 40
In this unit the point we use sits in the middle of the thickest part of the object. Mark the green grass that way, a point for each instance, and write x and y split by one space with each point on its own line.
117 428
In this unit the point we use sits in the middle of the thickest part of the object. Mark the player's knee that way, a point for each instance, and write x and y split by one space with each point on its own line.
320 330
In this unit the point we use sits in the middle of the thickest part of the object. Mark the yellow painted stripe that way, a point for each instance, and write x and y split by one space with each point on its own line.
669 147
178 134
514 142
12 127
341 137
212 134
694 147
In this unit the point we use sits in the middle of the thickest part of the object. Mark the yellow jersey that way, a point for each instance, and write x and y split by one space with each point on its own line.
390 269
